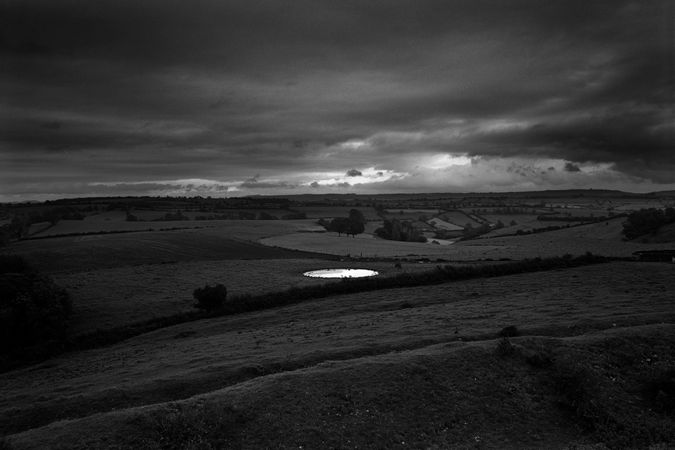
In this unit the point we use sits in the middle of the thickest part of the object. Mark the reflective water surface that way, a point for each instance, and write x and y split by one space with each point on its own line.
340 273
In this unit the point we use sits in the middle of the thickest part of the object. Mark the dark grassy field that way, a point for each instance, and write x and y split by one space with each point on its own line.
561 357
415 367
80 253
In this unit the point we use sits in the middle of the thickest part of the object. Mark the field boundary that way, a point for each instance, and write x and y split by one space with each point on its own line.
94 233
248 303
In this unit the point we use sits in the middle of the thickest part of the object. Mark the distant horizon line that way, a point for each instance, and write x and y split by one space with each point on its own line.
353 194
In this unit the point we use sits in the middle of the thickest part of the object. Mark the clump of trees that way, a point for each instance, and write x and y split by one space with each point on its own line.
647 221
397 230
352 225
34 311
210 297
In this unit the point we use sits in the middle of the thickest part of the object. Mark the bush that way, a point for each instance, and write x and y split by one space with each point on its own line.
210 298
13 264
33 310
510 331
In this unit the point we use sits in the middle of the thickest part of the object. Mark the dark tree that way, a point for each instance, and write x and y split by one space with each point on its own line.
354 228
339 225
33 310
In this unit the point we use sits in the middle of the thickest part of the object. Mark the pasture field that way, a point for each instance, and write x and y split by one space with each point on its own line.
37 228
232 240
419 366
458 218
117 223
109 298
361 246
597 238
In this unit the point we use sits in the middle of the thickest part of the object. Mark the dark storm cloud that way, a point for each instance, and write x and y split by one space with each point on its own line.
636 142
215 89
571 167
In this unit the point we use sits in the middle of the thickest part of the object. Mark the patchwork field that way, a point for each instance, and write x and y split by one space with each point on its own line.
334 371
600 238
361 246
568 358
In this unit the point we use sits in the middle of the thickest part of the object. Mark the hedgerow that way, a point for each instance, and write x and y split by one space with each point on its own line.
247 303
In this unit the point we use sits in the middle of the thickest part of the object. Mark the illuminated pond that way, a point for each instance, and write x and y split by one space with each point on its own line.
340 273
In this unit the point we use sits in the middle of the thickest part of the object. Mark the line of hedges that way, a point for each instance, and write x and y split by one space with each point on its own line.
441 274
248 303
95 233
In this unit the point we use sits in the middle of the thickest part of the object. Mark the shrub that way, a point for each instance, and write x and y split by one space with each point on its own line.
510 331
33 310
210 298
13 264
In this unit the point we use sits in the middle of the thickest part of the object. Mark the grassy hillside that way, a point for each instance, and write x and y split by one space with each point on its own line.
441 396
418 367
79 253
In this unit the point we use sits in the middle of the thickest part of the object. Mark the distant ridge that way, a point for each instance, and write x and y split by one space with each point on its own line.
550 193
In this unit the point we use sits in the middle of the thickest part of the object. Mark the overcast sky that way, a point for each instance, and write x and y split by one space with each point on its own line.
167 97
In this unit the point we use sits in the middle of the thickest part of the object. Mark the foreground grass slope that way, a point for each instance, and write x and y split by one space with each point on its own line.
452 395
176 363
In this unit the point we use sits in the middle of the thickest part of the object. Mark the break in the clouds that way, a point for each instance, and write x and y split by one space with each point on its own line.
239 97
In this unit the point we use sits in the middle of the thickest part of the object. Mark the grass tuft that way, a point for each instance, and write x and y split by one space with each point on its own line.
201 427
505 348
